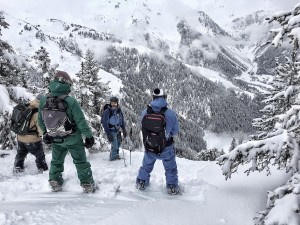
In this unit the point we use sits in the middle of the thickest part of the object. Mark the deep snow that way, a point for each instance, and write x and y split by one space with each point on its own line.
207 198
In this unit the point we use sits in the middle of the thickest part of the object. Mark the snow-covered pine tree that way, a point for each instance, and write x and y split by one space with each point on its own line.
209 155
277 141
5 60
276 100
52 70
7 139
23 76
43 59
43 63
88 72
232 145
91 93
13 71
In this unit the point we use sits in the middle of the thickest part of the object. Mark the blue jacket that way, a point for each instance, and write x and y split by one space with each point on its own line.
172 126
115 122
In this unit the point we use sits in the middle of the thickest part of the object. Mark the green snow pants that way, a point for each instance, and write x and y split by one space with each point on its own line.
83 167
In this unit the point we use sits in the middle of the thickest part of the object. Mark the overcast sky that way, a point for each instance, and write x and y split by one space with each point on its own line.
222 11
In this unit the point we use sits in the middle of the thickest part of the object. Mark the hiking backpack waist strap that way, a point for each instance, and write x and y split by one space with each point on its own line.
117 126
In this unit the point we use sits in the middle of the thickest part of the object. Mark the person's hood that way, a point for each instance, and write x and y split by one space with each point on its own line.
158 103
34 104
58 88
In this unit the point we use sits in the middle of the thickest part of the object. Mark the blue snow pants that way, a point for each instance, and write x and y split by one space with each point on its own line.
115 145
168 159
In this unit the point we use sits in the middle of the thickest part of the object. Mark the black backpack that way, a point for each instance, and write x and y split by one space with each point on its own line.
154 130
20 120
55 117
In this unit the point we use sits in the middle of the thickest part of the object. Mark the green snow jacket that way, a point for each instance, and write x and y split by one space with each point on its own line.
74 112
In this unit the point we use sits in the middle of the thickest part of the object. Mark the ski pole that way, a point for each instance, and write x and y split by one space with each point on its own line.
128 143
122 146
130 137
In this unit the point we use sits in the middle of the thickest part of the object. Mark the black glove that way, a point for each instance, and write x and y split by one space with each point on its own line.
89 142
124 133
110 137
47 139
170 140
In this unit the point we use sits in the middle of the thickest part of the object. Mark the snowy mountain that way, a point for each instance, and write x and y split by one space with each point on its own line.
253 30
67 42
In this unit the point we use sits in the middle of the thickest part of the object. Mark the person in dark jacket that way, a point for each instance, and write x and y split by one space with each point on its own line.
168 153
73 143
113 122
31 143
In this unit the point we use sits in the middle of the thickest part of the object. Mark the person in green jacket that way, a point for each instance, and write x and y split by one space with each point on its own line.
73 143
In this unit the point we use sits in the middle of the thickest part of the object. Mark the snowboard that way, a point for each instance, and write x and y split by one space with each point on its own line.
158 193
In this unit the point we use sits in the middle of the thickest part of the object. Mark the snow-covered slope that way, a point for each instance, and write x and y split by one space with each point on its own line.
207 198
147 26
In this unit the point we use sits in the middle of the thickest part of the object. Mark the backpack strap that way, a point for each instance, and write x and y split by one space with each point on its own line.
63 97
149 109
162 110
119 114
73 124
31 129
110 112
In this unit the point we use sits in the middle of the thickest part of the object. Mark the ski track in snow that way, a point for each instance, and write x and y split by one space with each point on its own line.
27 199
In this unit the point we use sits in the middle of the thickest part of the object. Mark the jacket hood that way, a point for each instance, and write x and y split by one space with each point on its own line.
34 104
58 88
158 103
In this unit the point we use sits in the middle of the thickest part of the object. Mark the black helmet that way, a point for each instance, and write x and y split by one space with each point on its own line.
114 99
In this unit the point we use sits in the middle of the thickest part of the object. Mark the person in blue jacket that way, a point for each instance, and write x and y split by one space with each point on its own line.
113 122
167 155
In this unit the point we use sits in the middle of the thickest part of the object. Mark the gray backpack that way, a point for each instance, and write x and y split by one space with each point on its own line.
55 117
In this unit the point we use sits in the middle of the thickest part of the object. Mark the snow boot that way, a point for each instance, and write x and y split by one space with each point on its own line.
140 184
172 190
17 170
55 186
40 170
42 167
89 188
119 157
